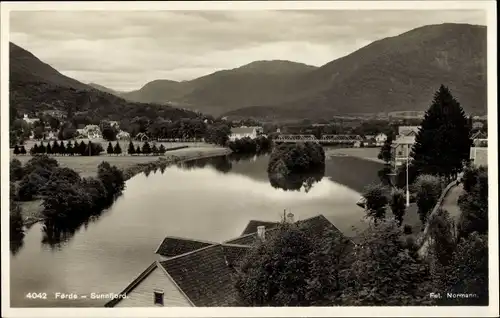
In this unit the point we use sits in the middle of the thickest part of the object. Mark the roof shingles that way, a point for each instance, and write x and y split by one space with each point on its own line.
173 246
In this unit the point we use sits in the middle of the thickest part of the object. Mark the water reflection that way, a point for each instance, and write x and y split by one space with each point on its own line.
297 181
16 243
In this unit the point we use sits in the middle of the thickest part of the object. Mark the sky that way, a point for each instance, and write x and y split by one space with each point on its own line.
123 50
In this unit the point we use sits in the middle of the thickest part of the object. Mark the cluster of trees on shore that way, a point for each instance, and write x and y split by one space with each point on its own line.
146 149
384 267
292 166
247 145
68 199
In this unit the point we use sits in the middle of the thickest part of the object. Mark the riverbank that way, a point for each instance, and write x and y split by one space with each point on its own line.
130 165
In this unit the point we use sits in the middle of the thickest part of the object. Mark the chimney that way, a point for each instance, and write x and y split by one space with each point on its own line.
261 232
290 218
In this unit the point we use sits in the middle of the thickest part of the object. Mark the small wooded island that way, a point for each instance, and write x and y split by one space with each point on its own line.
292 166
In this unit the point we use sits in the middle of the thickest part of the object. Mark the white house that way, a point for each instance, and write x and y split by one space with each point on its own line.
123 135
242 132
92 132
380 139
401 149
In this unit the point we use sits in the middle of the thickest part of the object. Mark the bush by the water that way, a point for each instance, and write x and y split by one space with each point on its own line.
292 165
248 145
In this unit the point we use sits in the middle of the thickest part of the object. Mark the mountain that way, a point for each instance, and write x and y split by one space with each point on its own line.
36 86
393 74
104 89
257 82
399 73
24 66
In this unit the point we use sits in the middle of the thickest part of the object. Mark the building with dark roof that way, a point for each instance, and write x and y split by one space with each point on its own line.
200 273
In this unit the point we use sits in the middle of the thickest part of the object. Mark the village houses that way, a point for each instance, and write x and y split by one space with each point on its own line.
198 273
479 150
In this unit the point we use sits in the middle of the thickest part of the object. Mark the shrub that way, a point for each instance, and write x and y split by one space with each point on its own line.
16 170
407 229
376 201
428 190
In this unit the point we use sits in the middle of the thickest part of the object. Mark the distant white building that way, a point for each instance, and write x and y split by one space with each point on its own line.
123 135
242 132
92 132
30 120
380 139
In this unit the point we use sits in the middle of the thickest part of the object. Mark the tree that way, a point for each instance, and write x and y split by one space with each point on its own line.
117 150
162 149
470 269
138 149
69 149
62 148
42 148
16 150
34 150
282 270
110 149
48 150
16 170
443 238
154 150
398 205
38 132
375 201
443 143
474 205
383 272
112 178
22 151
386 150
146 149
108 132
428 190
131 148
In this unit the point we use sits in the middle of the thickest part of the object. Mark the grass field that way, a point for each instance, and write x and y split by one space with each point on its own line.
364 153
87 165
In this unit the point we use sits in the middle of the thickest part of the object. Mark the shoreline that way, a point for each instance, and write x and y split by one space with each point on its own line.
182 155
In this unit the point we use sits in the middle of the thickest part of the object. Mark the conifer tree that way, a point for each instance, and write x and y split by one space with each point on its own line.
110 149
117 150
131 148
49 149
22 151
62 148
69 148
16 150
146 149
34 150
138 149
443 142
56 148
42 148
154 150
162 149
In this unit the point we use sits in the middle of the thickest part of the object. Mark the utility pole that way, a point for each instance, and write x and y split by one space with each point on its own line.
407 181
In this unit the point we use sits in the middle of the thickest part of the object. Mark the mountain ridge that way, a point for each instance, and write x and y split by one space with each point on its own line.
396 73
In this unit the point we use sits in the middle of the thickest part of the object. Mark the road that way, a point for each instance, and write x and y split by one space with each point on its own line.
450 204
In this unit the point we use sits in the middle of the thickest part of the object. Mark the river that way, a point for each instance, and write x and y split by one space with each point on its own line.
214 200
